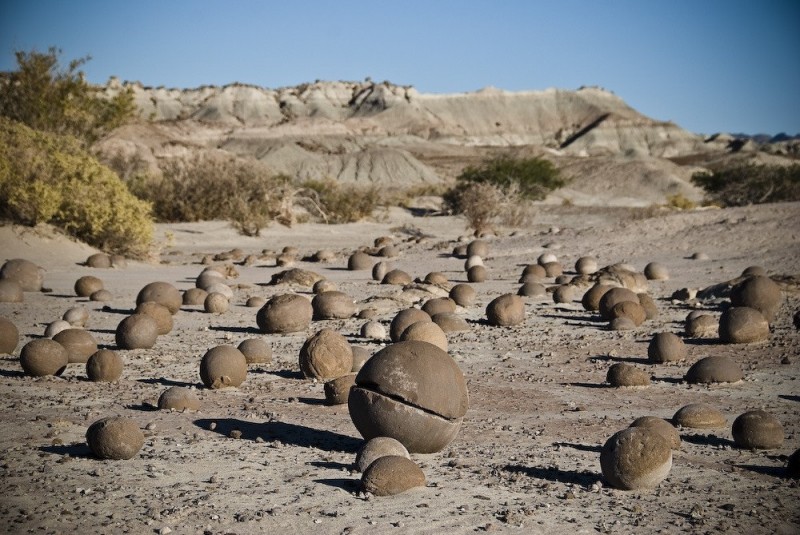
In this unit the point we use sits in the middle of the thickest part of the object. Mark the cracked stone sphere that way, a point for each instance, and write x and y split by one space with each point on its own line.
506 310
326 355
104 365
43 357
392 474
285 313
757 430
115 437
137 331
223 366
636 458
413 392
162 293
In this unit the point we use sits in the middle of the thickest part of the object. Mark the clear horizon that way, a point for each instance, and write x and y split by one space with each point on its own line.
708 66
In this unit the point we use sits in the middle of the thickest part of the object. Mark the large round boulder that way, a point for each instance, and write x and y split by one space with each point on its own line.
326 355
743 325
636 458
116 438
333 305
758 292
223 366
24 272
506 310
757 430
162 293
43 357
285 313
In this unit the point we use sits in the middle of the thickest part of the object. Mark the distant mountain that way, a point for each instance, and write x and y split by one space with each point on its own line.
766 138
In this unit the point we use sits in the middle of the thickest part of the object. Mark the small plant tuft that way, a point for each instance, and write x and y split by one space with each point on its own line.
751 184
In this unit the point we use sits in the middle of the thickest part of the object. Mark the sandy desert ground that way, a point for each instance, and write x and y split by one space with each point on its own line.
527 457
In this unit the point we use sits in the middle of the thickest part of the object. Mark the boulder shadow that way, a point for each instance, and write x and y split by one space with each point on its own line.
331 465
587 385
293 434
350 485
707 440
122 311
12 373
286 374
240 330
702 341
80 451
789 397
313 401
771 471
583 447
168 382
629 360
143 407
585 479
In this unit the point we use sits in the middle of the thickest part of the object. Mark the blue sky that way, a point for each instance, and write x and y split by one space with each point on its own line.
708 65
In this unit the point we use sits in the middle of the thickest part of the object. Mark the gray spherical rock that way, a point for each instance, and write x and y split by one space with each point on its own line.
162 293
397 277
533 273
702 326
216 303
11 292
333 305
104 365
636 458
209 277
532 289
661 426
80 344
462 294
388 251
380 269
439 304
115 437
648 305
403 319
25 273
255 301
478 248
101 296
631 310
137 331
506 310
718 369
360 356
450 322
179 398
586 265
699 416
326 355
378 447
612 297
546 258
666 347
256 351
436 277
324 285
42 357
622 323
392 474
553 269
77 316
194 297
622 374
743 325
87 285
285 313
757 430
760 293
223 366
425 331
656 271
99 260
55 327
564 294
413 392
338 390
158 312
359 261
373 330
9 336
591 298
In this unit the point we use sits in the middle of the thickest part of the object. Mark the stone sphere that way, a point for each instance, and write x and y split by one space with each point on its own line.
115 437
622 374
532 289
324 285
119 261
378 447
760 293
436 277
612 297
413 392
104 365
392 474
743 325
591 298
757 430
661 426
333 305
256 351
338 390
160 313
162 293
102 296
717 369
462 294
622 323
208 277
55 327
379 270
439 304
666 347
24 272
754 271
649 306
11 292
326 355
216 303
403 320
9 336
636 458
285 313
359 261
99 260
137 331
87 285
553 269
655 271
360 356
563 280
388 251
178 398
629 309
77 316
223 366
450 322
546 258
373 330
397 277
80 345
460 251
564 294
506 310
699 416
478 248
43 357
533 273
699 256
325 256
473 261
220 288
702 326
586 265
425 331
255 301
194 297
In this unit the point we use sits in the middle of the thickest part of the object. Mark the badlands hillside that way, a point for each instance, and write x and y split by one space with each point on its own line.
390 135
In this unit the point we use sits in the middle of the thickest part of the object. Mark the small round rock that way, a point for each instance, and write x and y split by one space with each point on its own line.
716 369
656 271
99 260
76 316
9 336
392 474
158 312
223 366
666 347
359 261
636 458
462 294
425 331
137 331
101 296
87 285
622 374
285 313
179 398
162 293
333 305
586 265
743 325
194 297
662 426
506 310
79 343
11 292
373 330
699 416
24 272
397 277
104 366
256 351
216 303
42 357
338 390
757 430
378 447
702 326
115 437
326 355
532 289
55 327
403 319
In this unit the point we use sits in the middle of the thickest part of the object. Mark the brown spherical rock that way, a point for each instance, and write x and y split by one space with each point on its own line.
359 261
208 277
325 256
757 430
43 357
160 313
702 326
699 416
373 330
333 305
216 303
87 285
223 366
388 251
564 294
622 374
462 294
612 297
586 265
403 319
326 355
622 323
25 273
360 356
425 331
533 273
256 351
636 458
656 271
397 277
478 248
55 327
322 286
162 293
119 261
99 260
11 292
648 305
255 301
591 298
436 277
413 392
631 310
760 293
115 438
754 271
338 390
719 369
195 297
546 258
77 316
104 365
477 274
450 322
179 398
532 289
378 447
380 269
137 331
392 474
285 313
80 344
439 304
9 336
743 325
661 426
666 347
506 310
553 269
102 296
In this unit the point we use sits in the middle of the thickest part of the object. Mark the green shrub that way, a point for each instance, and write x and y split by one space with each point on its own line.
533 178
47 178
751 184
343 203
